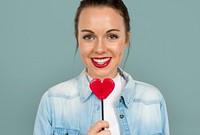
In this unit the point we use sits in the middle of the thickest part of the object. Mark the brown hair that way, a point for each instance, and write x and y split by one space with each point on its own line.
118 5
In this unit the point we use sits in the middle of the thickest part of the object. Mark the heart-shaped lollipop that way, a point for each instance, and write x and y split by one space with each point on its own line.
102 89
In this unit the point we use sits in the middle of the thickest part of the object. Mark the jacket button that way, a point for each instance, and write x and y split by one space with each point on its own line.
121 116
121 100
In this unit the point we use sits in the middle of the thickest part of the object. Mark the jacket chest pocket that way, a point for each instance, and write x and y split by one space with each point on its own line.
63 131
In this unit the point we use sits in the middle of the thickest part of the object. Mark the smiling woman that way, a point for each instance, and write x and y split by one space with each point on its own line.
102 32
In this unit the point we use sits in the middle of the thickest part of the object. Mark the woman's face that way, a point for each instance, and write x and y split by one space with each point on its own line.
102 40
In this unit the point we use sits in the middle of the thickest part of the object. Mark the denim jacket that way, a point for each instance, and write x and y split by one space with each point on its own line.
70 108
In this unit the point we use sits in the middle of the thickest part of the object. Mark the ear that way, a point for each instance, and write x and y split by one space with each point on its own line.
128 35
76 37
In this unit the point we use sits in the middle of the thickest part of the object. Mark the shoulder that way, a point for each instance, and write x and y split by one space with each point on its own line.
66 89
147 92
140 91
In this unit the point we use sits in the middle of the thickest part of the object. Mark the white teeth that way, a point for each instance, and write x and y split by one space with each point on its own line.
101 61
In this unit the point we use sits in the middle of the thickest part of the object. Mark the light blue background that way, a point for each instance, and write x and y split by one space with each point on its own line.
37 48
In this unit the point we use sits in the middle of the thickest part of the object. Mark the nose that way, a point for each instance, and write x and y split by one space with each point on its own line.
100 47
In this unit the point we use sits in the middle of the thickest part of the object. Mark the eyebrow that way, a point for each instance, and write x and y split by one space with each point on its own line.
112 30
86 30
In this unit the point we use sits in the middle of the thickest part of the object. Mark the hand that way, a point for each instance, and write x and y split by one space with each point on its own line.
96 129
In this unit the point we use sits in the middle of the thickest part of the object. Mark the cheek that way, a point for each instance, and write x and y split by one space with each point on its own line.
82 51
85 50
83 55
118 50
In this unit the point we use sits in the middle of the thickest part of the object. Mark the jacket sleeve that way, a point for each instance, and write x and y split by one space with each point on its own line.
165 122
43 118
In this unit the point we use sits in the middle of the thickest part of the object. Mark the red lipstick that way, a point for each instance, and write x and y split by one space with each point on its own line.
101 62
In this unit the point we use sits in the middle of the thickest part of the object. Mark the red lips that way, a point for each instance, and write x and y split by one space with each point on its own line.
100 65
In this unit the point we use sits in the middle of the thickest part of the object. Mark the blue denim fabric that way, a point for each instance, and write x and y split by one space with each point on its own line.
70 108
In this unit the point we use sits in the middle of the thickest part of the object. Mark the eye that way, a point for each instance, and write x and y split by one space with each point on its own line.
112 36
88 37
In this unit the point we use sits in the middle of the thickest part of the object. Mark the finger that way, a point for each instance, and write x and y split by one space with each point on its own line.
97 127
104 132
101 125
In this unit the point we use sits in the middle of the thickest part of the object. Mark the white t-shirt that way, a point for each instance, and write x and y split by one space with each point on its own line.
109 105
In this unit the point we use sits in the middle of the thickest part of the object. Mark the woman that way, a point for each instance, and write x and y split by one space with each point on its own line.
102 31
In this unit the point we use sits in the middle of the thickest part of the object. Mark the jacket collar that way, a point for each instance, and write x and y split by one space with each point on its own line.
83 86
127 94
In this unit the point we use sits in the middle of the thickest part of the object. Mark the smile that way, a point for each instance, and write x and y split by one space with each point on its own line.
101 62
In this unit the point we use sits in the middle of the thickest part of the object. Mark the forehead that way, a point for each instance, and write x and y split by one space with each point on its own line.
100 16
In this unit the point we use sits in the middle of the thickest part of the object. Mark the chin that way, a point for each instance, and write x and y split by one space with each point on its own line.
103 74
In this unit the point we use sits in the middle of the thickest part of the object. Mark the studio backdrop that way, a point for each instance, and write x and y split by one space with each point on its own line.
37 51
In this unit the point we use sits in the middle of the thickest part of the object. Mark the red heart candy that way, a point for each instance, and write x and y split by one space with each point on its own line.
102 89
